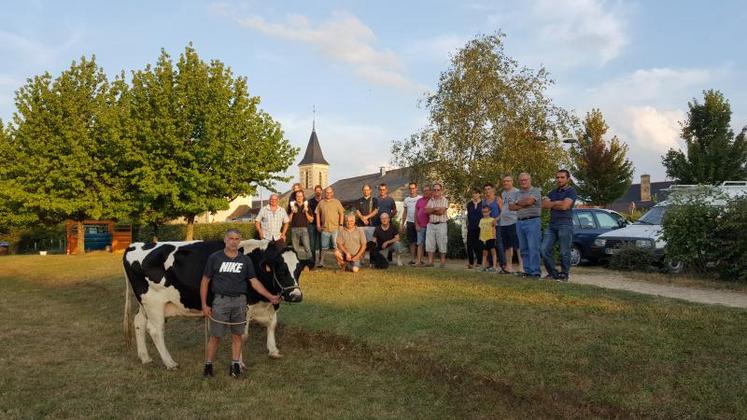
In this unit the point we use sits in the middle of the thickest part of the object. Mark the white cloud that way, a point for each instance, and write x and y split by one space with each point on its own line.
343 38
657 85
653 129
586 26
644 109
563 33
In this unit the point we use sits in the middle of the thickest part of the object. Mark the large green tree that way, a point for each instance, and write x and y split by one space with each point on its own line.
489 116
601 169
61 149
714 154
201 140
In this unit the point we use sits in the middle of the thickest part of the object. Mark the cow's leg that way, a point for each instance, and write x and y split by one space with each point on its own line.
245 337
271 346
156 323
140 322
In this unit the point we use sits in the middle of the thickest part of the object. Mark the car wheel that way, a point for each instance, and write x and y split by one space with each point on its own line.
575 255
675 267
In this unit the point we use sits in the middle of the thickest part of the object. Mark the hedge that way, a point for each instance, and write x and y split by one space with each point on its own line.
708 239
202 231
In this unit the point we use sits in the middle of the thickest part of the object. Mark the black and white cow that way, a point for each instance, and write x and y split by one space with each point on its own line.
165 278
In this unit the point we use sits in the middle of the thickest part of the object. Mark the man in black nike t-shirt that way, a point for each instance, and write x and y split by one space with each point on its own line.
229 273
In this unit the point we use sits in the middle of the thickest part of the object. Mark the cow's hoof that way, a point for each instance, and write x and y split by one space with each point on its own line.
146 361
275 356
175 366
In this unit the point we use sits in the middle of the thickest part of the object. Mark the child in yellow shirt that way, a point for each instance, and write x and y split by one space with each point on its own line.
487 239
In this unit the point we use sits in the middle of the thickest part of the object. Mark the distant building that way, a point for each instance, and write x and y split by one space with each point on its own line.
642 196
348 190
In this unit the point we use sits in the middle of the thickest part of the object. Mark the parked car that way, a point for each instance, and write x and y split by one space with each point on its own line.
588 224
646 232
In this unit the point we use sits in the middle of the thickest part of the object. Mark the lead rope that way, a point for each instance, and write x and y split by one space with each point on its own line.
219 322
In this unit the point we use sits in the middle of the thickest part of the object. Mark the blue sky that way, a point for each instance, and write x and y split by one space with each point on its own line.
365 65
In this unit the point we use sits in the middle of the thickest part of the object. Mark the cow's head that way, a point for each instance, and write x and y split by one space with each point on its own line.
286 268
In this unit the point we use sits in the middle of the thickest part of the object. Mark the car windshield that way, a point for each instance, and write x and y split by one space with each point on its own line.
653 216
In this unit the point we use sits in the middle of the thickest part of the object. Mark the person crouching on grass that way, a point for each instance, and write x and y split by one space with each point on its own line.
351 245
228 273
487 239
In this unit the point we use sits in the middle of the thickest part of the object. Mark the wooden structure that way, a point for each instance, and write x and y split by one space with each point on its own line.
116 238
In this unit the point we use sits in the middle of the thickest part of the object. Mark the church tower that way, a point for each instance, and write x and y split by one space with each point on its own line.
313 168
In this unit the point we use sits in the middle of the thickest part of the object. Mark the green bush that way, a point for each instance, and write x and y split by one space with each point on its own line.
689 230
731 233
455 248
37 238
203 231
631 258
708 238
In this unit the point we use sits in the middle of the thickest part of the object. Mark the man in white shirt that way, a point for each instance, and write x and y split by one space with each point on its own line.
272 221
408 220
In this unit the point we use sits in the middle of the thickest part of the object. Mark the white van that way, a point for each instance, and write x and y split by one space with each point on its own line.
645 233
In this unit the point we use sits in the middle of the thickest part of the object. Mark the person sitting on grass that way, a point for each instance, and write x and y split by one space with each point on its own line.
351 245
487 240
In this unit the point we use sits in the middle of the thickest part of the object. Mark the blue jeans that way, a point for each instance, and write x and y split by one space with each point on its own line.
563 235
315 241
530 236
499 246
499 249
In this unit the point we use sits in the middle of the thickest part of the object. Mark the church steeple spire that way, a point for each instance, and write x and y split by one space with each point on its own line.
313 168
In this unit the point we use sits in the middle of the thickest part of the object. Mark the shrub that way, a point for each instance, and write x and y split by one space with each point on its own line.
689 230
709 238
631 258
203 231
36 238
455 248
731 234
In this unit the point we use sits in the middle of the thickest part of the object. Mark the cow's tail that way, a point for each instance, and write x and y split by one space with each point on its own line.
127 319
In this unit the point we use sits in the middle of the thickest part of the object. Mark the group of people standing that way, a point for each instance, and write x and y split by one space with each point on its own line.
497 226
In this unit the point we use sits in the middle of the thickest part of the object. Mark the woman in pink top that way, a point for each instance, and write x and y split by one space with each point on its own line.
421 222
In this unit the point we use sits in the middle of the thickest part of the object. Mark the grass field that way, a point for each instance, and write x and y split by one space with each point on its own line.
403 343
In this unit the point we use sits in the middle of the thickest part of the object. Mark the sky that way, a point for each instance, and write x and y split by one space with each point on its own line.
366 66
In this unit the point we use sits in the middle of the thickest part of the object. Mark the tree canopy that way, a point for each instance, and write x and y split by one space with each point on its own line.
61 146
489 116
601 169
201 138
714 154
182 139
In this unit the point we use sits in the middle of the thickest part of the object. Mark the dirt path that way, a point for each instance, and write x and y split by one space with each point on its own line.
609 279
613 280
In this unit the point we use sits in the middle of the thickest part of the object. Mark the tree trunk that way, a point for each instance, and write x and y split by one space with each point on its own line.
80 238
190 234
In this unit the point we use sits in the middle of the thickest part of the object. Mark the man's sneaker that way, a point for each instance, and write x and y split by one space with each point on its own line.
562 277
549 276
207 372
235 371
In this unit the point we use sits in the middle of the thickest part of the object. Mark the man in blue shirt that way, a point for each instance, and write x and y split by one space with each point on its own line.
560 202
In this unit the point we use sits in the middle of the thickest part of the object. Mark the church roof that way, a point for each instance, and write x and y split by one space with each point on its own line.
313 152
